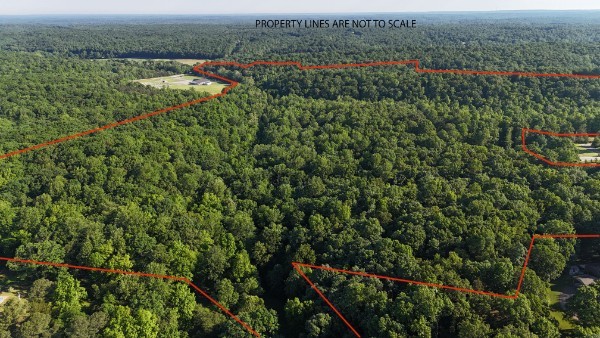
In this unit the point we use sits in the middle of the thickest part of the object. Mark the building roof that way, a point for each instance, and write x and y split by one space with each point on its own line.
586 279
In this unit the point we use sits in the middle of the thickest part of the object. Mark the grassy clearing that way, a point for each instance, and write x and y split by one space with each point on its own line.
558 287
189 62
588 153
9 288
181 81
559 315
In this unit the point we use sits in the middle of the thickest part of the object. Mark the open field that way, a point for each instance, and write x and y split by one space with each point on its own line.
588 153
181 81
558 292
189 62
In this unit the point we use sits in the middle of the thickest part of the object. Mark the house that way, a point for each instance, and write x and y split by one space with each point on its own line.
201 81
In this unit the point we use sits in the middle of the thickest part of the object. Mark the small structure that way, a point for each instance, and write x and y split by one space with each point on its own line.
201 81
585 274
585 280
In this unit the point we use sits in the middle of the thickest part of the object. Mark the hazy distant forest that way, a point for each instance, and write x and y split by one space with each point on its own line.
419 176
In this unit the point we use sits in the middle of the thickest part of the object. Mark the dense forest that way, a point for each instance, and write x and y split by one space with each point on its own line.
381 169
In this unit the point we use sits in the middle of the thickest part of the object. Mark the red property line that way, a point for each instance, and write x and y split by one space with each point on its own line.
139 274
524 132
297 266
233 84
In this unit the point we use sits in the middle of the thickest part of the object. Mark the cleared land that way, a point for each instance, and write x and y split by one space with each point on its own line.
182 81
560 290
7 289
4 296
189 62
587 153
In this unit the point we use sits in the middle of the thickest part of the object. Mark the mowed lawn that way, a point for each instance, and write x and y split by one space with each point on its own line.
189 62
182 81
563 284
587 153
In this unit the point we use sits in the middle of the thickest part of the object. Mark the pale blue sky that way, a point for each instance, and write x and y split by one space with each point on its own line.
277 6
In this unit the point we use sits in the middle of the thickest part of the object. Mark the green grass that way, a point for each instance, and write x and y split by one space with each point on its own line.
587 153
559 315
9 287
552 294
189 62
181 82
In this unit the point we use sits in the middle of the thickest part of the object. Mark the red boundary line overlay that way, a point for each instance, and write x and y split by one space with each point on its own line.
297 266
139 274
524 132
232 84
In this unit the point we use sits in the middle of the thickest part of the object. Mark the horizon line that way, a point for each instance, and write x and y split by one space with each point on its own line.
309 13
